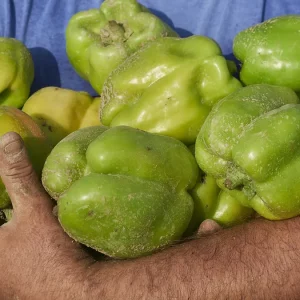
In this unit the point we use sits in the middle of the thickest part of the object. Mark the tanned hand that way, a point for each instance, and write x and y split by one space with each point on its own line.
37 259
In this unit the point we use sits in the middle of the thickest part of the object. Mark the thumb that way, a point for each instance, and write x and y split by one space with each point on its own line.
21 182
207 227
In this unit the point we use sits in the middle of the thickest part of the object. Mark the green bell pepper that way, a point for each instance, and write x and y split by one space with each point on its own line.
269 52
17 72
98 40
250 143
168 87
211 202
121 191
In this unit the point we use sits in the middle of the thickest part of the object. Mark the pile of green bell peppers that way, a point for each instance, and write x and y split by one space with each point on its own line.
186 135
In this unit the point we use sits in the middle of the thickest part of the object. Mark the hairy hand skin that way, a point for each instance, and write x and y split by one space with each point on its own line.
256 260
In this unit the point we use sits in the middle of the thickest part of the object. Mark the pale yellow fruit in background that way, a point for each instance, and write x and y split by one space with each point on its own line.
92 115
61 111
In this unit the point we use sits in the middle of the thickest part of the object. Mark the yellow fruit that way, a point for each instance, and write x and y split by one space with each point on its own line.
92 115
61 111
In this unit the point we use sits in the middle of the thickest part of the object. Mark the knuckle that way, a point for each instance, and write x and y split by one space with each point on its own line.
19 170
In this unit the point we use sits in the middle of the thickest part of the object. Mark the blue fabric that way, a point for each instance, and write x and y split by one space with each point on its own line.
41 24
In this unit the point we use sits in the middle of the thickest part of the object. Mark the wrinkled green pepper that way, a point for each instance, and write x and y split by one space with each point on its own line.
168 87
121 191
17 72
250 143
98 40
269 52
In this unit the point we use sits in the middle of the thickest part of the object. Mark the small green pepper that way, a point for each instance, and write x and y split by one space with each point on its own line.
211 202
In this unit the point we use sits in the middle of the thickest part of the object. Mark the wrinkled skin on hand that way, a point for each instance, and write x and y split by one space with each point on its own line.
17 72
98 40
39 250
168 87
250 143
32 243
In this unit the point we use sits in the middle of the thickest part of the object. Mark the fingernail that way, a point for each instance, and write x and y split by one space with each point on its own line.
13 148
11 143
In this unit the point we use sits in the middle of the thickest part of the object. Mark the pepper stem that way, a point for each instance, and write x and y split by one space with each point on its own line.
112 32
236 179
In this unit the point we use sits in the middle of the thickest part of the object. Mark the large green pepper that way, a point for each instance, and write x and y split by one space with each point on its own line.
269 52
121 191
98 40
168 87
250 142
16 72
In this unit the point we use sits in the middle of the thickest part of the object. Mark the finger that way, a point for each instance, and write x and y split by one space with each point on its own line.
208 227
21 182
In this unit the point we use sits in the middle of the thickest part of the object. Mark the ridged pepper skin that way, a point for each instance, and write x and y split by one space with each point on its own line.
168 87
269 52
17 72
98 40
60 111
211 202
38 147
121 191
250 144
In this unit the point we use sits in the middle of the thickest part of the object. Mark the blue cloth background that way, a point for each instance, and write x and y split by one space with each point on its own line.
41 24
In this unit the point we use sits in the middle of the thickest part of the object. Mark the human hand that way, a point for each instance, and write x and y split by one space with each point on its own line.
35 252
